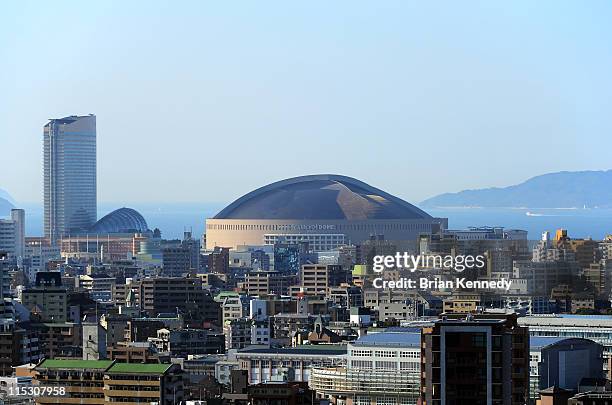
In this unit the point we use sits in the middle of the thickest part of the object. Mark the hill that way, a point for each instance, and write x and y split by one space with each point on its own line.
553 190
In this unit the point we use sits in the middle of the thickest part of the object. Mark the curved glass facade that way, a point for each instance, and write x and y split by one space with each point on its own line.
123 220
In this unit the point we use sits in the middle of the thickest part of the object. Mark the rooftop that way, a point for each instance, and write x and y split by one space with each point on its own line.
538 342
315 350
318 197
600 321
138 368
406 338
79 364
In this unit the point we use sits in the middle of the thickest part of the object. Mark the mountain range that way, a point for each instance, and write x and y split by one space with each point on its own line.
6 203
592 189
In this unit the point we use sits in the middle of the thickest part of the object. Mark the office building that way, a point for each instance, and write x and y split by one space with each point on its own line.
381 368
263 364
597 328
475 359
12 234
264 283
315 279
47 300
171 295
563 363
69 175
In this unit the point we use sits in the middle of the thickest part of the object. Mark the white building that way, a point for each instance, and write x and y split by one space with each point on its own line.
381 368
12 234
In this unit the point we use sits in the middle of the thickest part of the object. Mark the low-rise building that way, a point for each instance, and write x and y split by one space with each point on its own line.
143 383
264 363
380 367
562 362
83 381
185 342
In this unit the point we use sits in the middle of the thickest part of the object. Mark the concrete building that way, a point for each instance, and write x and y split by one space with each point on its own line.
597 328
69 375
263 364
70 202
94 340
562 363
47 300
480 359
186 342
325 211
233 305
134 352
237 333
381 368
172 294
264 283
143 383
38 252
104 382
12 234
314 279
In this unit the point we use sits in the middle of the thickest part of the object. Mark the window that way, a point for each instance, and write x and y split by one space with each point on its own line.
384 353
385 401
409 366
386 365
365 364
362 400
410 355
361 353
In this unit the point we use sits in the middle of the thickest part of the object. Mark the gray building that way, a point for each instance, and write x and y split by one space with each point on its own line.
563 362
69 175
12 234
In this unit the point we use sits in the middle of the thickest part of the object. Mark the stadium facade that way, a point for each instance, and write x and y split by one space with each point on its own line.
325 210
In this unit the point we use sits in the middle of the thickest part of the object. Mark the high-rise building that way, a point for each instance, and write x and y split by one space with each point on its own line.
69 175
12 234
478 359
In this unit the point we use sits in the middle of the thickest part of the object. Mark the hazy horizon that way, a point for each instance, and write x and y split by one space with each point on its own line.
204 102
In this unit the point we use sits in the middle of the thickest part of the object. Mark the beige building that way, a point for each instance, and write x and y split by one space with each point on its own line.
315 279
105 381
327 211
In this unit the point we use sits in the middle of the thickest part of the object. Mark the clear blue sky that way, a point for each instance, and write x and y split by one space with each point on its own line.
206 101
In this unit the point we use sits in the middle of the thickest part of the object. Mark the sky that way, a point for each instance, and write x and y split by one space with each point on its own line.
205 101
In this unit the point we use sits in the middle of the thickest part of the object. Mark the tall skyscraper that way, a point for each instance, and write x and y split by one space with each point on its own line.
70 175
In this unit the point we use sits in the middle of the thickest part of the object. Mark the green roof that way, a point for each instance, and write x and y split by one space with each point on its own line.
139 368
224 294
360 270
97 364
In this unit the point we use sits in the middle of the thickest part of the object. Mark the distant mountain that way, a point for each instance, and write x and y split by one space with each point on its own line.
6 196
6 203
553 190
5 207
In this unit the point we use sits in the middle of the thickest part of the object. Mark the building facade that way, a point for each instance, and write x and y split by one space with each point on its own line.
69 175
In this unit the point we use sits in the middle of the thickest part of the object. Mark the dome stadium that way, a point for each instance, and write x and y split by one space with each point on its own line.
326 210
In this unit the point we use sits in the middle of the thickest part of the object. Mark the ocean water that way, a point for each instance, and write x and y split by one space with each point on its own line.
171 218
580 223
174 218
